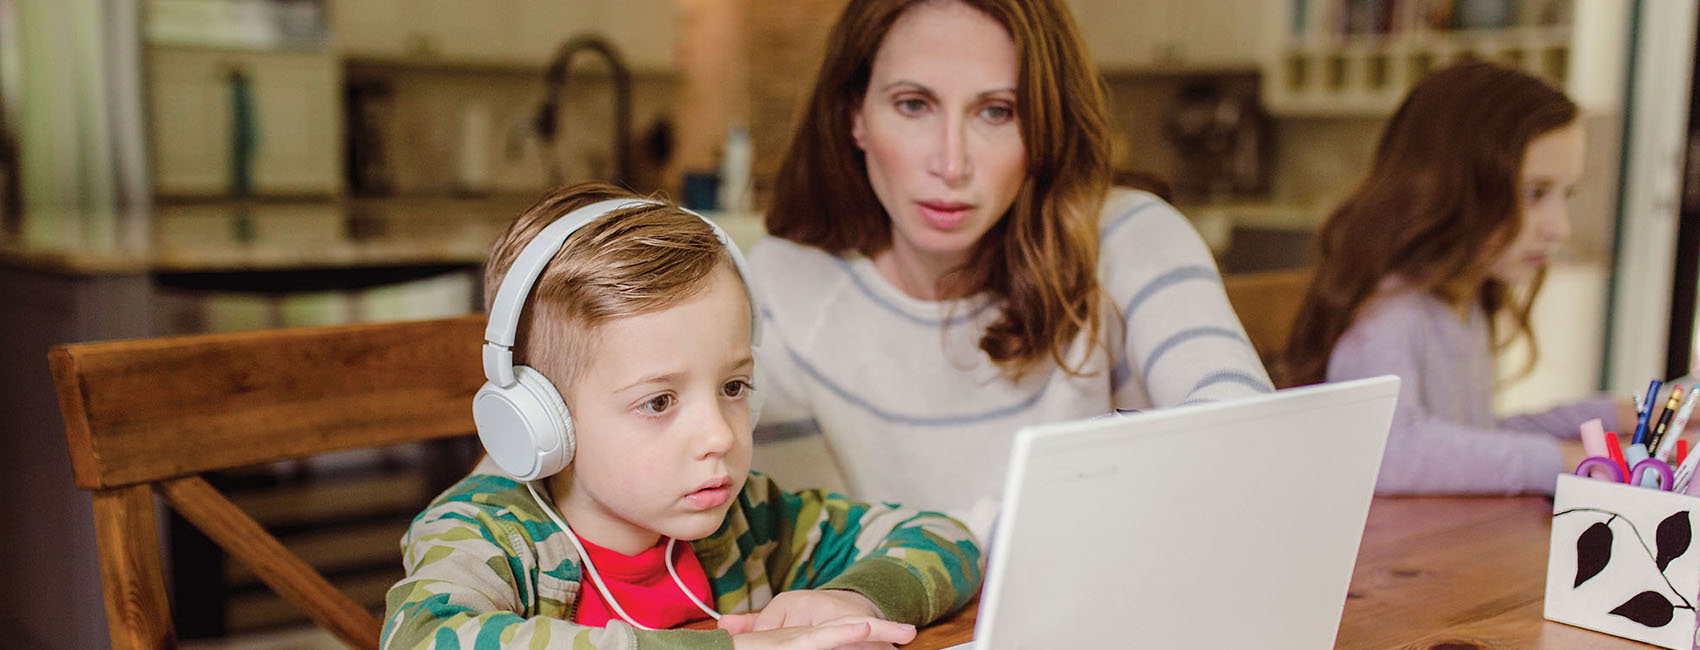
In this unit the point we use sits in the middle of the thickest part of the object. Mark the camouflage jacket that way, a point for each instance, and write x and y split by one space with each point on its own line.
486 568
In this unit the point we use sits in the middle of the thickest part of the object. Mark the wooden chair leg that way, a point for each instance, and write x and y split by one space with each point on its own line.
208 509
136 609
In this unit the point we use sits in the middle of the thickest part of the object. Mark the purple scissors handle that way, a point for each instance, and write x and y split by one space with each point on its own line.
1607 464
1666 479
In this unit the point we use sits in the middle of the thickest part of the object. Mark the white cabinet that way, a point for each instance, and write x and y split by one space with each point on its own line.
1174 35
501 32
1317 70
293 98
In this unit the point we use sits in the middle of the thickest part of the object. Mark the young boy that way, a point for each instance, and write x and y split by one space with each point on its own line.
643 324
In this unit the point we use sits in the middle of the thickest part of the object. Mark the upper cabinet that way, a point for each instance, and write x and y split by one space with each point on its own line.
522 33
1174 35
1359 58
234 122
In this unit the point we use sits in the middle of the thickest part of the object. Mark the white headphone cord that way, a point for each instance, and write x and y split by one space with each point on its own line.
596 578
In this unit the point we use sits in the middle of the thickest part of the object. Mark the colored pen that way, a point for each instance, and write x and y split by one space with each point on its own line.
1681 451
1674 435
1594 443
1633 456
1663 421
1614 451
1685 474
1640 435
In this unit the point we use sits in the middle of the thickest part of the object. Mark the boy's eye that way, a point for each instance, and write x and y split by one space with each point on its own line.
658 404
735 388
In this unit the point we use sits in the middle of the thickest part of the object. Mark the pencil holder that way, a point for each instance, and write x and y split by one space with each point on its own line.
1622 561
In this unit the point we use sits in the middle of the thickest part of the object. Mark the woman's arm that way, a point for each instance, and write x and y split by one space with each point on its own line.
1183 342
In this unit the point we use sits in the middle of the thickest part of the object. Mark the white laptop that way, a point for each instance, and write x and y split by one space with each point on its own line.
1223 525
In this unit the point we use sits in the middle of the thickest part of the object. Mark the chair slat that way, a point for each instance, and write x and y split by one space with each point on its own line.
243 538
1267 302
145 410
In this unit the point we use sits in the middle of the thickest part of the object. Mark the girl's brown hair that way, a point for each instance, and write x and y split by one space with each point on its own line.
1039 262
632 261
1441 201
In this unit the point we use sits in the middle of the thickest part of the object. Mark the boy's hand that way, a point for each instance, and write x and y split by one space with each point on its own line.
804 607
853 632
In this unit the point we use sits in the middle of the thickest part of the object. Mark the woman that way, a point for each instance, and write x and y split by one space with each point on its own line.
1431 266
946 262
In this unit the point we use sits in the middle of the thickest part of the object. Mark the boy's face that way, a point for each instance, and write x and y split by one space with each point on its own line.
662 418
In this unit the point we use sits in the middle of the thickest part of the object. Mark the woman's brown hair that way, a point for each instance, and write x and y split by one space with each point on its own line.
1440 202
1039 262
632 261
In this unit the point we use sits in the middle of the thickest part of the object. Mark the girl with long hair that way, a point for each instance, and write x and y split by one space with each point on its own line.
947 261
1430 267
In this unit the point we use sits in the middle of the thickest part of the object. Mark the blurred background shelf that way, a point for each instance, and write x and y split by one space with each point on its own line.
1345 58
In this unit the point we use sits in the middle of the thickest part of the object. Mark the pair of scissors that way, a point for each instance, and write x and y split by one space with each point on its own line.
1666 477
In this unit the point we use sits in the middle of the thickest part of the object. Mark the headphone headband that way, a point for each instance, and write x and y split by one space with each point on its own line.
509 304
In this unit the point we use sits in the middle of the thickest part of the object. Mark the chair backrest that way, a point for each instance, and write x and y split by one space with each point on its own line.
1267 302
152 414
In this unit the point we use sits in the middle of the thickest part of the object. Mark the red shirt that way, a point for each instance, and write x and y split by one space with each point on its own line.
642 586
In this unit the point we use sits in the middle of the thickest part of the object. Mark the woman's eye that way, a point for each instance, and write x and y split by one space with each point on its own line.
658 404
911 106
1535 194
998 113
735 388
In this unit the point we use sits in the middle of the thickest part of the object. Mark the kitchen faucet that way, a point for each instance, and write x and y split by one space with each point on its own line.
555 76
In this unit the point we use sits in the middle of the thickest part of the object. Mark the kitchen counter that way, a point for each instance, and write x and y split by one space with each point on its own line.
363 232
261 236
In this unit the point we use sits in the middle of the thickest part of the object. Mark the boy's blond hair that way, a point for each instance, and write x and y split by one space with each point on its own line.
629 262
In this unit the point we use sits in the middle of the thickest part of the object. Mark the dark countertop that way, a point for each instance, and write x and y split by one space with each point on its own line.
223 236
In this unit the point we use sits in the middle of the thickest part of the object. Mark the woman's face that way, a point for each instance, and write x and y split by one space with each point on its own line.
1551 168
939 130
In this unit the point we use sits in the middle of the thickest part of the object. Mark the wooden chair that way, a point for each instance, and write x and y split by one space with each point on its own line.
149 416
1267 302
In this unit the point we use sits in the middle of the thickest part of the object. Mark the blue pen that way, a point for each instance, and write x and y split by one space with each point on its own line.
1640 436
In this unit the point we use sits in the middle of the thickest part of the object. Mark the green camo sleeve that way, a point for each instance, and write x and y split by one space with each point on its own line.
915 566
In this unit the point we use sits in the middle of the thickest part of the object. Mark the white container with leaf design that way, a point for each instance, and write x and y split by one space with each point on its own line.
1623 561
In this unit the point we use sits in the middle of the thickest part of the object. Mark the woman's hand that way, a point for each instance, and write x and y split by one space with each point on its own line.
804 607
858 632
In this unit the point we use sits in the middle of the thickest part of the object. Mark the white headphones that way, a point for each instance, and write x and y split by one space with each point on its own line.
521 418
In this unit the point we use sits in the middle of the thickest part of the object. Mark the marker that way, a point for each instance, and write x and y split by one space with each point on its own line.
1674 435
1594 443
1640 435
1681 451
1658 432
1614 451
1634 455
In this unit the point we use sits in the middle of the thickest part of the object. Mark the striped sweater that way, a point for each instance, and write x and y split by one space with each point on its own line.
486 567
913 411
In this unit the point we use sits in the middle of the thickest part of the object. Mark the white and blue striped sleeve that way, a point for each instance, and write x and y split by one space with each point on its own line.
1182 343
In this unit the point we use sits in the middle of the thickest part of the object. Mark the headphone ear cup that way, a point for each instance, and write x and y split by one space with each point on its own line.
525 427
555 441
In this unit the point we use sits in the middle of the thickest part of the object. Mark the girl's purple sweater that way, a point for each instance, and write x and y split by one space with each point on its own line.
1445 438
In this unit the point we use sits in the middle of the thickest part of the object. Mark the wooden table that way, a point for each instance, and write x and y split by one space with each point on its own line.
1432 573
